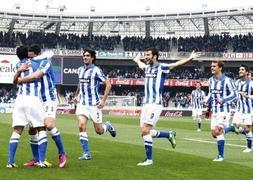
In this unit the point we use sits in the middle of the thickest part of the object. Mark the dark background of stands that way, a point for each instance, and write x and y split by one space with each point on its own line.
212 43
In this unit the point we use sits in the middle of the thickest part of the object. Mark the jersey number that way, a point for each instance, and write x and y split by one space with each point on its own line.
48 108
152 116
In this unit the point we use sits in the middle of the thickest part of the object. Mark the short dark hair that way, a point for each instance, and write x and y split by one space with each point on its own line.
245 67
91 52
154 51
21 52
35 48
220 64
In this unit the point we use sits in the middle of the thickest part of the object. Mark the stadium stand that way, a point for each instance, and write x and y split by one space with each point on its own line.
206 43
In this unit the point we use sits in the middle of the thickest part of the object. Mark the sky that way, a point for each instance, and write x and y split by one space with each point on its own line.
124 6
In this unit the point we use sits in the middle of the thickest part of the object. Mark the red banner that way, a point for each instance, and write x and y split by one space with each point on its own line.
169 82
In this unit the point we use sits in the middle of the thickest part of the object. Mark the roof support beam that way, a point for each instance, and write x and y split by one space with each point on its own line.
11 27
58 28
194 24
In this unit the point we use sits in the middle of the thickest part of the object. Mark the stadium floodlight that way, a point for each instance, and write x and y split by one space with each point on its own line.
17 6
147 8
92 9
204 6
62 8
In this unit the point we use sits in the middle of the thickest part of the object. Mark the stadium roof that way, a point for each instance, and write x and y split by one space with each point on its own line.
191 23
123 6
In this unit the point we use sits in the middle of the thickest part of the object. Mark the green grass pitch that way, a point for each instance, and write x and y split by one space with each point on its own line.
116 158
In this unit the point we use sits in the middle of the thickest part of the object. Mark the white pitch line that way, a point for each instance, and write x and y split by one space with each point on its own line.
211 142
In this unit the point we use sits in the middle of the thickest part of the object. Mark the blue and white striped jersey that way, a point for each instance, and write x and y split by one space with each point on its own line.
48 91
221 89
244 104
154 82
197 96
89 82
30 88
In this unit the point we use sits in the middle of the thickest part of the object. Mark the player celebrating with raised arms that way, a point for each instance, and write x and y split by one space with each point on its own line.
155 74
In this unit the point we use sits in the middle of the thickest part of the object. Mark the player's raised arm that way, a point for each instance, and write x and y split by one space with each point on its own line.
43 69
45 55
193 55
32 77
139 62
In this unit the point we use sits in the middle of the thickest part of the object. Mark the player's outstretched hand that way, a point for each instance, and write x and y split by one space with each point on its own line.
195 55
137 58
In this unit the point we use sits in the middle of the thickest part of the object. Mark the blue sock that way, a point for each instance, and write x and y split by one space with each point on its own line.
199 125
220 145
243 132
13 147
148 149
85 142
164 134
249 143
249 139
160 134
34 146
42 145
108 127
148 146
56 136
230 128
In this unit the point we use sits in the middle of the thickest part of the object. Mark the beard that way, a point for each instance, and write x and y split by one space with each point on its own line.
148 62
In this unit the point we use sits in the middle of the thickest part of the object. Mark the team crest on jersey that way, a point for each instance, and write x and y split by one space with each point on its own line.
216 91
150 75
85 80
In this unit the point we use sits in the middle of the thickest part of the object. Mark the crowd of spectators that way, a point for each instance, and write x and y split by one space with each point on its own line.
69 95
182 100
127 72
62 41
7 95
142 43
178 100
138 93
211 43
178 73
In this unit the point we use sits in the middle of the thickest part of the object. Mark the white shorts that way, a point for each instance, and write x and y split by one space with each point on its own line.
196 112
150 114
91 112
50 108
28 110
242 119
220 120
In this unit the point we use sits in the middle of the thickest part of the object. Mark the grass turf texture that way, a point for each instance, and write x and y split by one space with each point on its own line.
116 158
